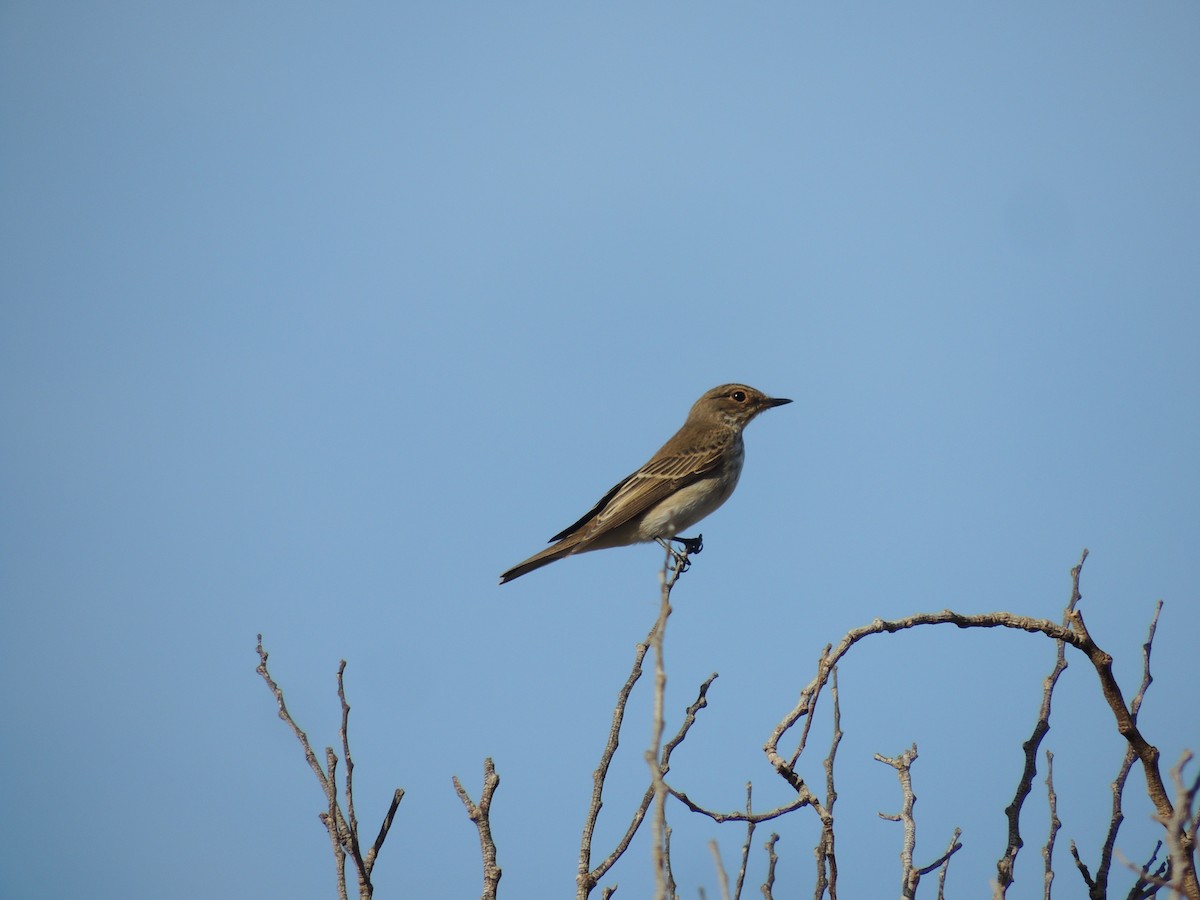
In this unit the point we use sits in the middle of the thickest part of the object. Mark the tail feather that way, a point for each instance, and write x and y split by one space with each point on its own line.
547 556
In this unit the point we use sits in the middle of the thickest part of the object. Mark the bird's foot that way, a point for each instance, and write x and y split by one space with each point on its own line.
682 563
691 545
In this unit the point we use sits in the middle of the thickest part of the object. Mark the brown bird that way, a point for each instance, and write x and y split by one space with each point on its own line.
689 477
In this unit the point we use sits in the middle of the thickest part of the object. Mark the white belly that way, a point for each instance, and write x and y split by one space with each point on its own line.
685 508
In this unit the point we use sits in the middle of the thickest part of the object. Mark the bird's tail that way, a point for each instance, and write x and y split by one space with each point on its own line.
547 556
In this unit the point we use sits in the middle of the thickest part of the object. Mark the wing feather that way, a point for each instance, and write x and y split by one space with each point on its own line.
662 476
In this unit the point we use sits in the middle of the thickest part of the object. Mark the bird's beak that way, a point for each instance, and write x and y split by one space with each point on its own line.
777 401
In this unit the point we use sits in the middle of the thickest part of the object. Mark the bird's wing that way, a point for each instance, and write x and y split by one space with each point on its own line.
649 485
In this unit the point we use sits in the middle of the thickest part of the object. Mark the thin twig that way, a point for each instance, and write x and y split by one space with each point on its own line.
585 878
954 847
364 881
1099 889
768 886
660 848
737 815
480 816
750 826
722 875
586 884
343 833
1004 866
1055 825
1148 883
825 850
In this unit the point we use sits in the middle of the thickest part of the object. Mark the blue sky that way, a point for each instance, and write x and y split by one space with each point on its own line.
313 321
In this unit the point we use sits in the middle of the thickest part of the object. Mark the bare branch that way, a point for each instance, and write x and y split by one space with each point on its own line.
1076 635
660 849
275 689
1055 825
585 878
1098 888
351 836
1181 827
343 834
586 883
1004 866
737 815
955 846
750 826
480 816
824 851
903 766
384 827
943 861
768 886
1148 883
722 876
1084 873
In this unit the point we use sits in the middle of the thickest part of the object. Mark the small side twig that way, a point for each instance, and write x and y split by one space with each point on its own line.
955 846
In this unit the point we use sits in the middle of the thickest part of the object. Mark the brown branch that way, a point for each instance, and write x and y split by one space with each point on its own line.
722 875
943 861
831 658
585 878
1098 887
1083 871
803 742
343 833
351 836
661 849
384 827
1004 866
1181 828
826 857
955 846
586 883
750 826
1076 635
768 886
909 877
480 816
1055 825
337 834
1148 883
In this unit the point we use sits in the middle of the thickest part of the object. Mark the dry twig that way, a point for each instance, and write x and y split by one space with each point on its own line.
1004 866
342 828
1055 825
479 814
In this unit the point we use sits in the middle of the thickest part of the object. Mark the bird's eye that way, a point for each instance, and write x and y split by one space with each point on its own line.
738 396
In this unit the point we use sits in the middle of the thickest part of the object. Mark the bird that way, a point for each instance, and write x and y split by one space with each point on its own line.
689 477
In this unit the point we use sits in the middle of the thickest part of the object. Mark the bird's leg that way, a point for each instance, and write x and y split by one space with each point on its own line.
691 545
681 559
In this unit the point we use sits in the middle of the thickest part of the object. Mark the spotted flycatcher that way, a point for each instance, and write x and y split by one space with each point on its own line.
693 474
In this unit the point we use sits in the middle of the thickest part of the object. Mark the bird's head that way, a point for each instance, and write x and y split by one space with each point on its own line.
733 405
